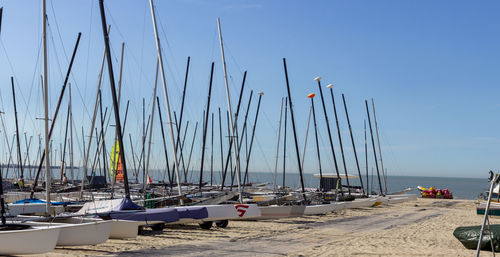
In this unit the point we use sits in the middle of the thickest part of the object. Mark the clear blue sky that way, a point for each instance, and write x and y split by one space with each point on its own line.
431 67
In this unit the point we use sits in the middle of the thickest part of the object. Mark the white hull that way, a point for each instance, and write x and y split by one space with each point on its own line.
364 202
232 212
121 229
324 208
31 241
402 198
76 232
25 208
280 211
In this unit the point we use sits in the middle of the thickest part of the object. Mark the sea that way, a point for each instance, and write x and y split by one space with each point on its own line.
461 188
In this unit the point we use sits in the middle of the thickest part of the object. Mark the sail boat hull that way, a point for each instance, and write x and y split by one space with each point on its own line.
76 232
41 240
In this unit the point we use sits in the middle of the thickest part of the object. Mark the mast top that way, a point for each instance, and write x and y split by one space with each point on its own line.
317 78
260 93
329 86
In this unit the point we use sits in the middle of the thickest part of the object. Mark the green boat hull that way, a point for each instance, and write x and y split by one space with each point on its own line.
493 212
469 237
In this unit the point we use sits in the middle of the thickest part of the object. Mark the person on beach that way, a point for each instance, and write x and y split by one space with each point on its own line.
65 179
20 182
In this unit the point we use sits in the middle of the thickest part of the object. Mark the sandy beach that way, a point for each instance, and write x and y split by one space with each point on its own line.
419 228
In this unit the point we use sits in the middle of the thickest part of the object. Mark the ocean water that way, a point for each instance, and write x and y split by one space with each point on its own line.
462 188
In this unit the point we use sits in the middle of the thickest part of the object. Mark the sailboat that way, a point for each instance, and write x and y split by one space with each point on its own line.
73 231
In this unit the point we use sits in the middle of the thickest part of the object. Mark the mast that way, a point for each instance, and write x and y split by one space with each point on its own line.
366 164
373 146
330 86
19 157
235 141
115 100
205 126
317 142
307 136
7 142
221 149
151 125
63 152
164 143
236 115
46 108
96 106
252 137
179 125
58 101
191 151
379 150
212 153
243 131
277 148
167 103
284 142
294 131
353 145
318 79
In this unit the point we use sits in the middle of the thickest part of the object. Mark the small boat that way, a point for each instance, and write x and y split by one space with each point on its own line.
494 210
16 239
431 192
14 209
469 237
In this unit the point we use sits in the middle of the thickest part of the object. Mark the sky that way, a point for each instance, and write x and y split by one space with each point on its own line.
430 66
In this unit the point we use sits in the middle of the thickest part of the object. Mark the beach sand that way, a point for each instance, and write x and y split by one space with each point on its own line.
419 228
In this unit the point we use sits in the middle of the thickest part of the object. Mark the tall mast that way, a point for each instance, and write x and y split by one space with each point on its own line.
92 124
318 79
205 126
58 103
235 141
379 150
179 125
164 143
373 146
71 132
212 153
366 164
330 86
115 100
151 126
353 145
317 142
277 148
221 148
252 137
167 103
19 157
307 135
294 131
284 143
236 115
46 108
